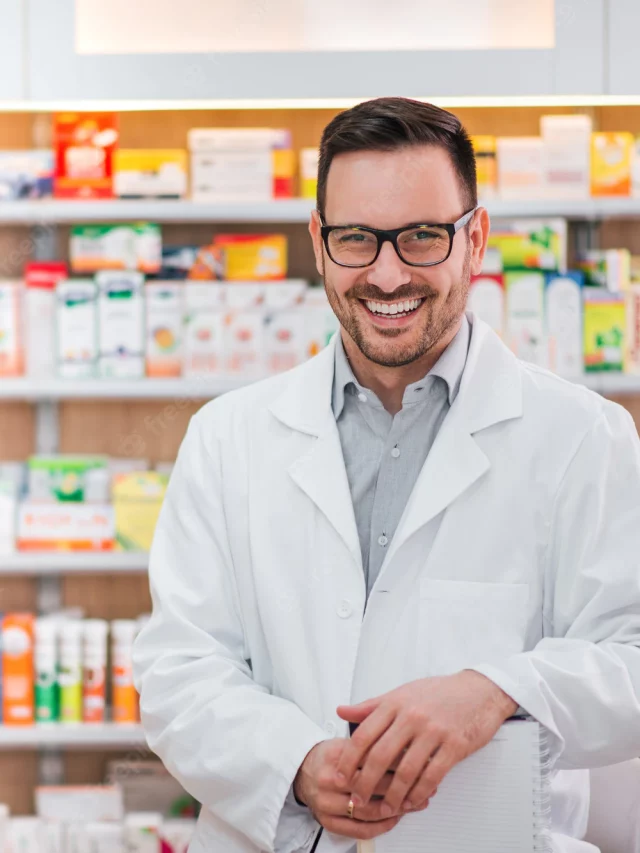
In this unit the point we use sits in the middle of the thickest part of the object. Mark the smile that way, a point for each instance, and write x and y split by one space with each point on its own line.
394 309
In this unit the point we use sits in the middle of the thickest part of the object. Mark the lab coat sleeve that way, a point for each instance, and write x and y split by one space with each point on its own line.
582 680
232 744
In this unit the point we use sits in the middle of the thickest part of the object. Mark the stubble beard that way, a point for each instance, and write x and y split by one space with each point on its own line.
437 320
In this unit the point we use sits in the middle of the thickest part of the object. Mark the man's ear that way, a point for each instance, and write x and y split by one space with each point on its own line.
316 237
479 228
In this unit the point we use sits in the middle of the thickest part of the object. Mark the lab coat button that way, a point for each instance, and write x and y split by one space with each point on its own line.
345 609
331 728
382 540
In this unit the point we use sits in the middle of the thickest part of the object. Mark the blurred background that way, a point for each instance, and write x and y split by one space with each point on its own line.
157 170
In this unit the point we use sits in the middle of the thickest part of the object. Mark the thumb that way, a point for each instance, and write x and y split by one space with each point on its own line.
357 713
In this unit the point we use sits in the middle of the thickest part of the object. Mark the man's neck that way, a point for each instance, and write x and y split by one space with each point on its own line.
390 383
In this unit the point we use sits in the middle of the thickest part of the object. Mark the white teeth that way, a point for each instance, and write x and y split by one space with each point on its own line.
393 308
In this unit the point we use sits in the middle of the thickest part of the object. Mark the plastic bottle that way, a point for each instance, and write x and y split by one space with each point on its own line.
70 671
125 698
47 700
94 672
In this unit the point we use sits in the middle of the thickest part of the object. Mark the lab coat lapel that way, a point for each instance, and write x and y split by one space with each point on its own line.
320 471
490 392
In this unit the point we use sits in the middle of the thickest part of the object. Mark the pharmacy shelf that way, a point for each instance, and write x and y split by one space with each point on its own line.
73 563
72 736
114 210
207 388
52 211
136 389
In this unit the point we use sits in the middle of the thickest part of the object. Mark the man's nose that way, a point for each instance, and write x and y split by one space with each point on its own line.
389 271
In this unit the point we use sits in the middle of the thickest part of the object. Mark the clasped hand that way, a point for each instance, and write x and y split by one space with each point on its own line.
406 742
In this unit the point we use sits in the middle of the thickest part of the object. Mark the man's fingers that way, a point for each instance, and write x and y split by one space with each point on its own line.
337 804
360 743
381 755
409 771
432 775
361 830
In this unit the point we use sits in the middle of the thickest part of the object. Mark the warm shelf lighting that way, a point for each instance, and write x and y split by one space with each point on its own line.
314 103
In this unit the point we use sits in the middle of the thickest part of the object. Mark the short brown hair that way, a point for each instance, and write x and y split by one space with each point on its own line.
386 124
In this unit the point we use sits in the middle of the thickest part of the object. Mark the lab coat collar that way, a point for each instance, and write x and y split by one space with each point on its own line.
490 390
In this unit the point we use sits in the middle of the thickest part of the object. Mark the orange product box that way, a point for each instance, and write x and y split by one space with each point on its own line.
253 257
66 527
85 145
17 669
611 163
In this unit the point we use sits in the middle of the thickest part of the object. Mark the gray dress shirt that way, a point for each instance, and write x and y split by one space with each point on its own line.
383 453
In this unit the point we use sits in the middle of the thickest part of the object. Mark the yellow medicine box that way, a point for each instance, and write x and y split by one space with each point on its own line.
253 257
137 500
611 163
150 173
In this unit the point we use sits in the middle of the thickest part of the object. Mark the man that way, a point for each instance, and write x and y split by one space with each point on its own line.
414 532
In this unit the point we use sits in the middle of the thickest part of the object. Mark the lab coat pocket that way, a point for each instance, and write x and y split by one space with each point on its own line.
464 624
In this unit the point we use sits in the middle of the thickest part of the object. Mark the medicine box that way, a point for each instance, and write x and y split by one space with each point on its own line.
26 174
204 329
41 280
115 247
17 669
245 328
485 150
486 300
85 144
309 172
563 316
604 330
525 332
253 257
567 155
521 167
151 173
137 500
11 343
632 351
76 329
164 327
121 325
65 527
611 163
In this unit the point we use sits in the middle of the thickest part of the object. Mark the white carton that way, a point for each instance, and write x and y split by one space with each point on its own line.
26 835
567 155
285 325
67 525
486 300
525 316
121 335
245 329
8 515
76 328
67 803
95 837
204 332
11 348
521 166
230 176
563 314
320 321
164 327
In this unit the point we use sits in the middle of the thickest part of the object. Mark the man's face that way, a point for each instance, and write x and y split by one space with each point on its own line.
388 190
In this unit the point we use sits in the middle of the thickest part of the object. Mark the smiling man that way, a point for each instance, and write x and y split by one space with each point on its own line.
413 532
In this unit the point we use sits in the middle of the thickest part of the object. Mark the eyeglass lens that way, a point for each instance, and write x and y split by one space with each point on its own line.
354 247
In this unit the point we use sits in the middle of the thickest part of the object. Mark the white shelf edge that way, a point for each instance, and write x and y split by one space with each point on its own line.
72 736
51 211
23 388
294 210
207 388
69 562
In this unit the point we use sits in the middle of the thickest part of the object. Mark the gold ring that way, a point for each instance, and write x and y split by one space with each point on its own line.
350 808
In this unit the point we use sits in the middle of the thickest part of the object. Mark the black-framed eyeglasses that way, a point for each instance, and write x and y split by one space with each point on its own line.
419 245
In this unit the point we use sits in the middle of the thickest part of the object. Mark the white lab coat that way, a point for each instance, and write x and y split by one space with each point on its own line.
528 509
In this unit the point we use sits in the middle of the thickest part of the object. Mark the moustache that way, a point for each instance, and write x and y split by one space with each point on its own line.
404 292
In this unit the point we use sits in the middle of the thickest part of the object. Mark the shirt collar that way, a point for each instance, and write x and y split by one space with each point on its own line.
449 367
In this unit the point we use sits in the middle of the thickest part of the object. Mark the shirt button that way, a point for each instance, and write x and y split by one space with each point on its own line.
382 540
395 452
331 729
362 398
345 609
